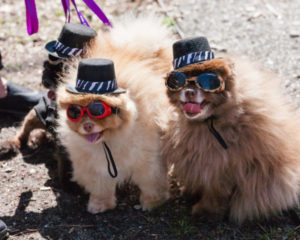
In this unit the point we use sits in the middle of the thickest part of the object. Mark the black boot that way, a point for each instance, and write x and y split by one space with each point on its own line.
3 230
19 100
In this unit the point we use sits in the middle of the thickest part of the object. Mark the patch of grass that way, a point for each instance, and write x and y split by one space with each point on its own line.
59 14
21 41
169 21
269 235
290 234
14 67
183 227
159 209
277 233
152 220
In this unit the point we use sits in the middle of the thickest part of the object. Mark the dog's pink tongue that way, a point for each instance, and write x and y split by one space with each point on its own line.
191 108
93 137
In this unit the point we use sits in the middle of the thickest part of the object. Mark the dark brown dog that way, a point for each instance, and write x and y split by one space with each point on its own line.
39 124
257 172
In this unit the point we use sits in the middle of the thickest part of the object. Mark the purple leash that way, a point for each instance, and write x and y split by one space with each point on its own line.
80 15
97 10
31 17
91 5
66 6
33 22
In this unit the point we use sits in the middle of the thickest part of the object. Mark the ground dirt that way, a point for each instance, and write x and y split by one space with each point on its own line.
31 203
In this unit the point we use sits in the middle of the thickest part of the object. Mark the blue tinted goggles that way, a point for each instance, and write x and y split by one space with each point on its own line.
208 82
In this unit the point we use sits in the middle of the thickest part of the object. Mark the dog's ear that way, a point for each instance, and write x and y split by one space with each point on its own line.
51 73
230 75
231 65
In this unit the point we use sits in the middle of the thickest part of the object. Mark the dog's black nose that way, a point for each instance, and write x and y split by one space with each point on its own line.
189 93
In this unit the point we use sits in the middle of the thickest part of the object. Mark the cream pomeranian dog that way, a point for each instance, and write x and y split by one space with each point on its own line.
233 140
112 128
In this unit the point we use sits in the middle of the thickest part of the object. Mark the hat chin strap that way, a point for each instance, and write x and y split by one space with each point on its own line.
115 110
210 125
108 155
110 161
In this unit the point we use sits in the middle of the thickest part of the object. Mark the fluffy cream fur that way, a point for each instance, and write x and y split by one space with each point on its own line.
133 135
259 173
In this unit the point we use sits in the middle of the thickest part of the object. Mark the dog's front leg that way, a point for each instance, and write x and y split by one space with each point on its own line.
13 145
212 205
30 122
153 184
103 198
99 204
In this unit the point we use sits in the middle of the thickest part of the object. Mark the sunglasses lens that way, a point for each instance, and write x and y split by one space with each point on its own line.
208 81
176 80
74 111
96 109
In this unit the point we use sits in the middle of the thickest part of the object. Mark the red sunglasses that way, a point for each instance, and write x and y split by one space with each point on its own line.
95 109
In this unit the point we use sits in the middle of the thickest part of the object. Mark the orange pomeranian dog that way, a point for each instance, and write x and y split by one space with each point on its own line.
111 121
233 140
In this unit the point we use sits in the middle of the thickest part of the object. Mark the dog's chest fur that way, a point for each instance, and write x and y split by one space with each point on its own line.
199 159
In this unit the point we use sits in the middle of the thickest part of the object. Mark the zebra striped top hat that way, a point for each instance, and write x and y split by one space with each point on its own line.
191 50
71 40
96 76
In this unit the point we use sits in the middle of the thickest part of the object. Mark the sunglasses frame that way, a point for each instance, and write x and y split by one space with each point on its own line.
194 79
108 111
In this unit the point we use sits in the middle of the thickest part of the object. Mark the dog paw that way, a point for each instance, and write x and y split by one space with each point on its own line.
97 205
198 211
37 137
8 149
16 143
148 202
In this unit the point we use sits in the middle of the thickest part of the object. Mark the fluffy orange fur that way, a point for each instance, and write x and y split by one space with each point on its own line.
259 173
133 135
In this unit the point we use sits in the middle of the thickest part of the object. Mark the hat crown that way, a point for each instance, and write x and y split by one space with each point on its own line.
96 76
190 45
75 35
96 70
191 50
71 41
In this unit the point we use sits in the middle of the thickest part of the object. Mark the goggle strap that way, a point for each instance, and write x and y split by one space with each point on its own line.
115 110
110 160
217 135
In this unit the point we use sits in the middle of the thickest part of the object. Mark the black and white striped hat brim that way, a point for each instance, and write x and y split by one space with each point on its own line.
85 87
57 49
191 58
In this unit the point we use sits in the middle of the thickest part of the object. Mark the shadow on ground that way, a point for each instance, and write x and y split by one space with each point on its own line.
70 220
